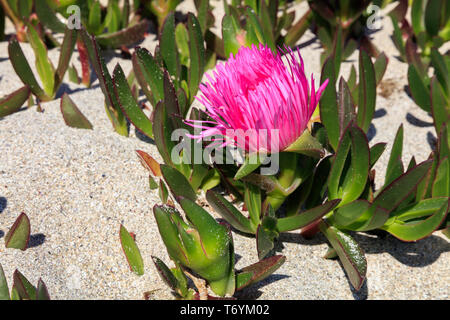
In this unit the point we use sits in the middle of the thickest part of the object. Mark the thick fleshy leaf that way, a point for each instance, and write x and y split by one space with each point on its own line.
149 75
48 17
229 212
23 69
168 46
266 233
347 183
302 219
14 101
72 115
433 11
41 291
124 37
359 215
25 289
169 232
177 182
296 31
395 166
440 67
165 273
306 144
197 55
106 84
416 230
162 131
67 48
346 107
4 291
367 91
375 152
441 184
421 209
19 234
131 251
380 66
149 163
128 104
210 231
419 90
440 108
252 200
44 66
349 252
251 163
328 104
258 271
393 194
231 35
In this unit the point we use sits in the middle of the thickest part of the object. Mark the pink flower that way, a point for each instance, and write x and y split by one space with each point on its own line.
255 94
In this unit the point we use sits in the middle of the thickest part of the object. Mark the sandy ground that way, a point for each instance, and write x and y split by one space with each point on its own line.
78 186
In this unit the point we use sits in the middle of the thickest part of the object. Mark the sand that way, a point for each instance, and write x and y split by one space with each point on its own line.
78 186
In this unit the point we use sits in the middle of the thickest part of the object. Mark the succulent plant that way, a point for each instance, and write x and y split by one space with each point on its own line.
22 289
205 247
50 76
418 45
254 22
342 26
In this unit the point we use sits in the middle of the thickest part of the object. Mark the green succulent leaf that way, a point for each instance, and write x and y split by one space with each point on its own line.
44 66
419 90
128 104
67 48
229 212
19 234
25 290
440 106
165 273
375 153
416 230
302 219
149 75
4 291
349 252
14 101
258 271
72 115
197 55
168 46
177 182
113 109
131 251
367 91
23 69
398 190
125 37
48 17
395 165
347 183
41 291
231 34
328 103
441 185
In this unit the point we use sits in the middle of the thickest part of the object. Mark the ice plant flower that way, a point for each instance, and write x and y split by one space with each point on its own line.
257 95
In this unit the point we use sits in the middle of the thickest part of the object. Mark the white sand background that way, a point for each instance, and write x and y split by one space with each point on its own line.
78 186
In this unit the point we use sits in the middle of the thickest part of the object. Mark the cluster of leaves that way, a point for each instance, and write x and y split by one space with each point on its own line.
18 237
419 45
22 289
